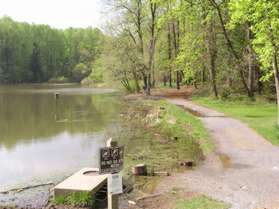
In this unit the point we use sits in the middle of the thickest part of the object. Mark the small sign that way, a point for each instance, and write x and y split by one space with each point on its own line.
115 184
111 159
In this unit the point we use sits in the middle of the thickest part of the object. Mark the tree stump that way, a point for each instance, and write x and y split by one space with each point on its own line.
140 170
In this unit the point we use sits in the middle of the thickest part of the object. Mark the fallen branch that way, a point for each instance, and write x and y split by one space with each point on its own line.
18 190
161 173
149 196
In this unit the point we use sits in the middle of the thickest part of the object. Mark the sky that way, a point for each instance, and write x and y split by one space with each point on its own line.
56 13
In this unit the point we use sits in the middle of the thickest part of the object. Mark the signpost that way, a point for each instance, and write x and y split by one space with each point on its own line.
111 159
115 185
111 162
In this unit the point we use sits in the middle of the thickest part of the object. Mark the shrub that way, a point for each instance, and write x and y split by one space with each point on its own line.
60 79
225 93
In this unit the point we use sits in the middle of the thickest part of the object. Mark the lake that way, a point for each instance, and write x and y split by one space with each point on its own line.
44 138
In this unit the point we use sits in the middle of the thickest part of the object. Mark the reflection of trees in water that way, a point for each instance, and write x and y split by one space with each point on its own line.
28 117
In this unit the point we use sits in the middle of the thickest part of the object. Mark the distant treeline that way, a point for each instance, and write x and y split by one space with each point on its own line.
39 53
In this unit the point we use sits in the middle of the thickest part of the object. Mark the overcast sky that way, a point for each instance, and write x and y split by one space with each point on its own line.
56 13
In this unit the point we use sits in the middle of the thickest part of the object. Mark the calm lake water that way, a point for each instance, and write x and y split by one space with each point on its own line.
44 139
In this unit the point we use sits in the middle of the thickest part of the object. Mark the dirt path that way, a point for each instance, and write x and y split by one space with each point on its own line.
243 170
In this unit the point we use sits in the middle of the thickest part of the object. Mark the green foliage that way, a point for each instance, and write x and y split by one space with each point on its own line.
192 49
78 199
121 62
226 93
201 202
37 53
59 79
80 72
263 17
98 72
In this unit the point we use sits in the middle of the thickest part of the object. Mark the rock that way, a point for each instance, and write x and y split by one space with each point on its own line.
172 120
130 202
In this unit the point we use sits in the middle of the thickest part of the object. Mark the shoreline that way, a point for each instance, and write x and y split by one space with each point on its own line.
150 123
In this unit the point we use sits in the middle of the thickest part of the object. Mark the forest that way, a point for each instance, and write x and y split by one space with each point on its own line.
32 53
230 45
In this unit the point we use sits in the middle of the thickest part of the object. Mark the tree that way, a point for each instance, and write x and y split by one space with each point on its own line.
38 53
139 23
80 72
263 18
211 43
35 65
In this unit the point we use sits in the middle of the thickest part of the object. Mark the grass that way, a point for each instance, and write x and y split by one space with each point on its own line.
185 126
160 135
79 199
259 114
201 202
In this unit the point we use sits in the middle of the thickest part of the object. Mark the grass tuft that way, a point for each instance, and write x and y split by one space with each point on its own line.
201 202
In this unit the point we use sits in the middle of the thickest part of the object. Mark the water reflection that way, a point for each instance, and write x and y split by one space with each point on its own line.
41 137
58 155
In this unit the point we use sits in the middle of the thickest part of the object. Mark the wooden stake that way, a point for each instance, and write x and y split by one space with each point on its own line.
113 200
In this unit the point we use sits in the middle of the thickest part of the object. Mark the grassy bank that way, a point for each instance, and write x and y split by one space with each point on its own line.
260 114
161 135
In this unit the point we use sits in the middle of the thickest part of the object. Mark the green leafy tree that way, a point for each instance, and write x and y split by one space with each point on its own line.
263 17
36 64
80 72
38 53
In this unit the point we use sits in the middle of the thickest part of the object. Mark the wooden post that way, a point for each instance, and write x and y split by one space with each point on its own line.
113 200
56 95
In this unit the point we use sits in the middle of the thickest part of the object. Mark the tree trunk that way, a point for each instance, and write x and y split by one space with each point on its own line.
276 76
153 75
213 74
170 78
151 51
170 55
250 60
175 44
144 82
136 80
203 75
147 90
230 45
177 79
212 54
258 79
165 80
